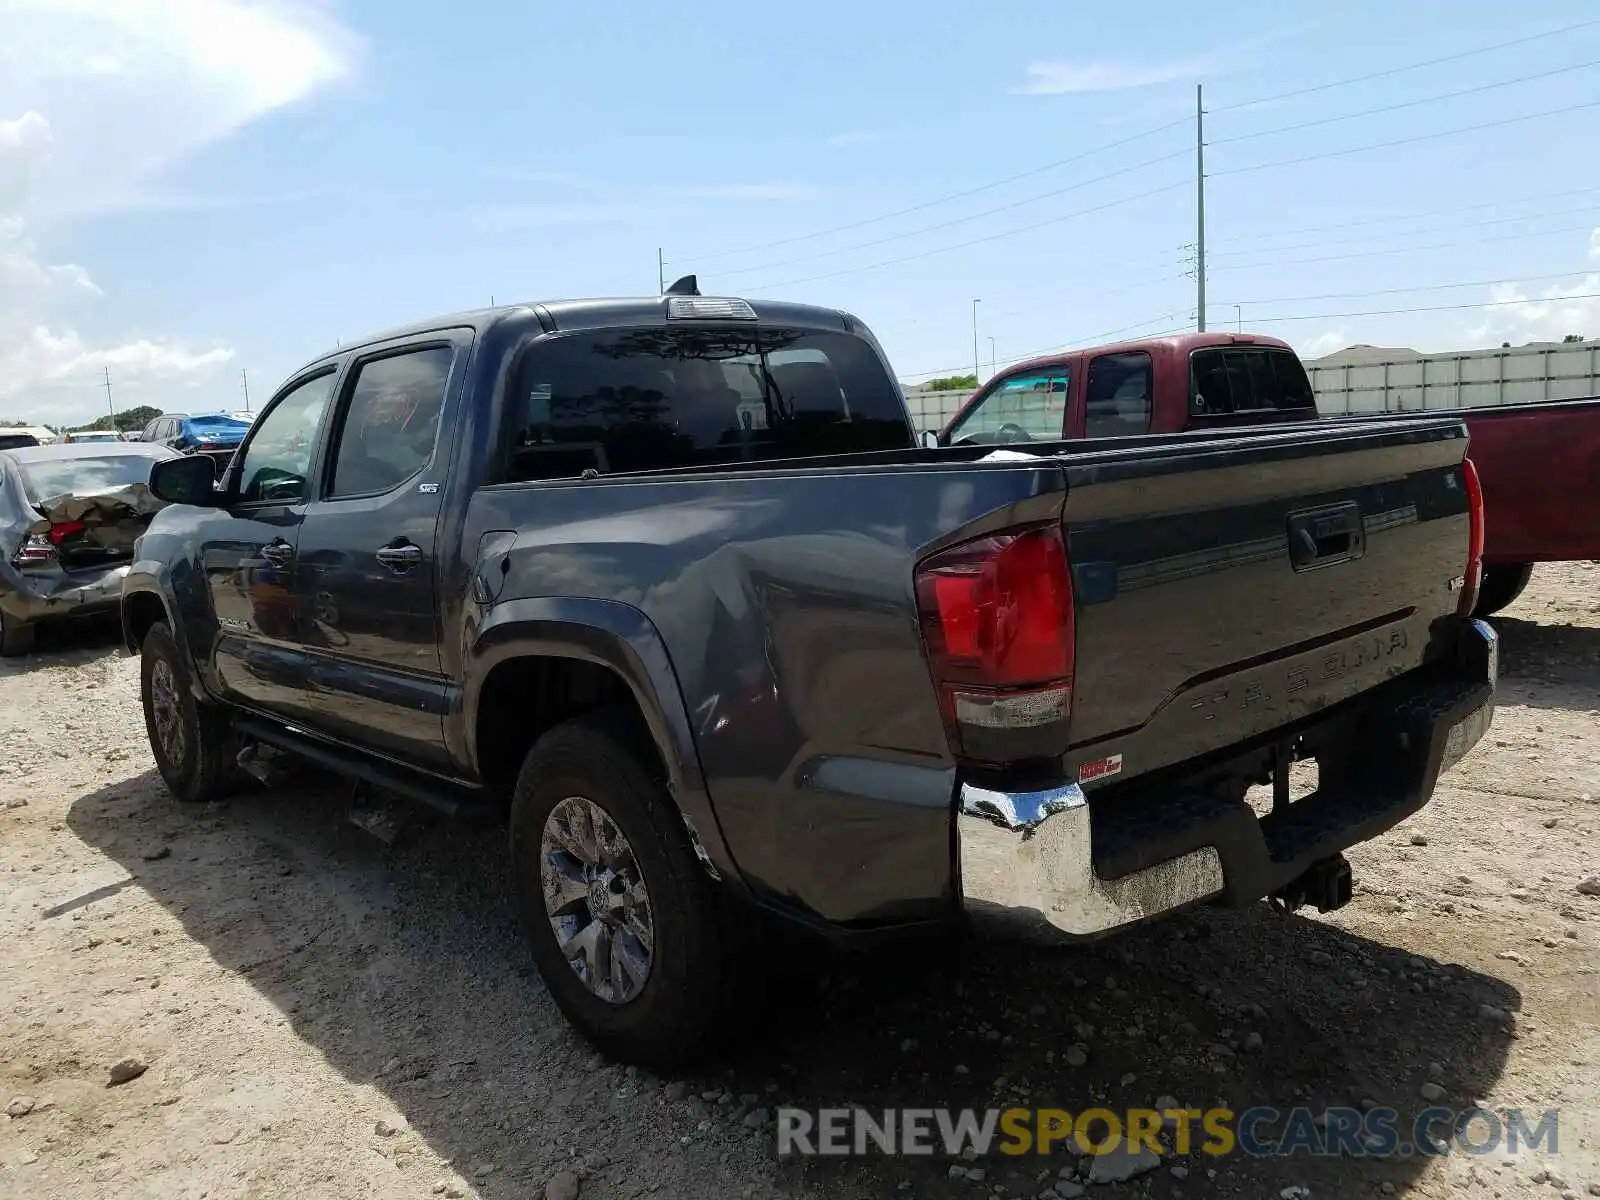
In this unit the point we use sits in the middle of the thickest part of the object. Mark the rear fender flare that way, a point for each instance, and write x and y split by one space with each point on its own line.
619 637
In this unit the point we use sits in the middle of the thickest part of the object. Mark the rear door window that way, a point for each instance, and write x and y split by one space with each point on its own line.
1117 399
391 421
652 399
1031 407
1247 379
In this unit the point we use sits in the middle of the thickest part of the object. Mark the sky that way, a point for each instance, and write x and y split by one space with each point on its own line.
199 193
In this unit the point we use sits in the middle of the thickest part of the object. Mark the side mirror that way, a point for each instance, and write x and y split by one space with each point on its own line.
188 480
930 439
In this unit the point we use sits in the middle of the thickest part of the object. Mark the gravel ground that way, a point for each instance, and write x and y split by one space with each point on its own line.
314 1013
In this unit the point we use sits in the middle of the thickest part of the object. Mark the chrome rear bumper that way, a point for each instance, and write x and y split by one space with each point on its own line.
1026 858
1026 866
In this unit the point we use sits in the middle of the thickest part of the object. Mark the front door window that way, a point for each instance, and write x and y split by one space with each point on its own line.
1025 408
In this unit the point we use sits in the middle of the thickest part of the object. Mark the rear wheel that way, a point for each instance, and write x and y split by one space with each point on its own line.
1500 587
194 748
623 922
15 637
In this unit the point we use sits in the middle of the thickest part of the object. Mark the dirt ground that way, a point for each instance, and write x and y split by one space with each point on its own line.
323 1016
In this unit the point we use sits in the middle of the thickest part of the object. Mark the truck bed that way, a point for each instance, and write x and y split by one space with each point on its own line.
783 593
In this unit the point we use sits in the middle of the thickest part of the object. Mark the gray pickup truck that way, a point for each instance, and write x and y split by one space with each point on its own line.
668 584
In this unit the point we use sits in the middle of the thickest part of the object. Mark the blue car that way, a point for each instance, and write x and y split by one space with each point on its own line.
216 435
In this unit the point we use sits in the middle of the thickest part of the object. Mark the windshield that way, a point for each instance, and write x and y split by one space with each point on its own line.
85 476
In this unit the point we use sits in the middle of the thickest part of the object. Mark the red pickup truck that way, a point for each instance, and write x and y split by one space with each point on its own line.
1539 463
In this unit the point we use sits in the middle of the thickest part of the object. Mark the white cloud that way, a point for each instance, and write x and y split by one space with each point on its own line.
1059 78
99 99
126 88
1543 315
1323 343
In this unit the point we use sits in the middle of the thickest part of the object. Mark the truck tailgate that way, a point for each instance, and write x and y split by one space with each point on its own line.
1229 588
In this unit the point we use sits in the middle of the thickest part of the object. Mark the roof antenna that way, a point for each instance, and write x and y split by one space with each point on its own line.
687 286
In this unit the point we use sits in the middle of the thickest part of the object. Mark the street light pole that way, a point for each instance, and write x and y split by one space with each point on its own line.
1238 318
975 366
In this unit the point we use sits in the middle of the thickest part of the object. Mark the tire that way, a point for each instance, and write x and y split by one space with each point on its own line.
671 1018
1500 587
15 637
197 764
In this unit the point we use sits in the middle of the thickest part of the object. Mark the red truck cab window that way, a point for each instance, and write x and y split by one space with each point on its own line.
1117 400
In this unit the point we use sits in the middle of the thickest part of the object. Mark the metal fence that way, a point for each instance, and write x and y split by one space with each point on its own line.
930 409
1475 379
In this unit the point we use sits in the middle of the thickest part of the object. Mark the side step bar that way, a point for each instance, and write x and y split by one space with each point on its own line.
451 799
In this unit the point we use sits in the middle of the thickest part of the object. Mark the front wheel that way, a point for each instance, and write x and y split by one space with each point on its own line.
194 748
1502 583
622 920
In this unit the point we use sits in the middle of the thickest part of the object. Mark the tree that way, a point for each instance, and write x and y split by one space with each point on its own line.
1572 339
125 421
953 383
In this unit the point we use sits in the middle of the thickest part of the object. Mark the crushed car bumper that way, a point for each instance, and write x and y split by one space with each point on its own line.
31 596
1053 863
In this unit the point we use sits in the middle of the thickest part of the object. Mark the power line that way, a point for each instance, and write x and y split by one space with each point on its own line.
1562 212
1033 171
1099 338
1292 262
1387 108
1424 137
993 237
1438 212
937 200
1427 287
1416 66
895 237
1091 340
1395 312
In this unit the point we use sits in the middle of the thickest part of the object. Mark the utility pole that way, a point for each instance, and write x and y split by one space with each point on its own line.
976 368
245 375
1238 318
661 273
993 371
110 407
1200 205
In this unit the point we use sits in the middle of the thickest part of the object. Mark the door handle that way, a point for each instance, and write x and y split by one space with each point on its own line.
279 553
400 558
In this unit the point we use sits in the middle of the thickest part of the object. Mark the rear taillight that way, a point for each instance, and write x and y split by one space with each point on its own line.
60 531
997 619
35 548
1474 572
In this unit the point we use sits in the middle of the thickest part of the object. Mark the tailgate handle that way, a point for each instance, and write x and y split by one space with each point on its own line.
1320 537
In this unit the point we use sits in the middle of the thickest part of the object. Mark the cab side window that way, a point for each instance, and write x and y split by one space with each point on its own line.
275 463
391 421
1117 403
1024 408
